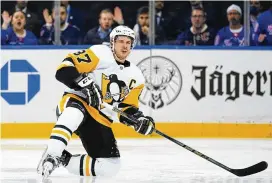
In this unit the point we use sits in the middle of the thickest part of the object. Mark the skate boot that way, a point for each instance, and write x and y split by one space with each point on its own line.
49 164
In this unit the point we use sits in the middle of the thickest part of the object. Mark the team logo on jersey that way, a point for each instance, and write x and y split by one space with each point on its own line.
269 29
163 81
113 89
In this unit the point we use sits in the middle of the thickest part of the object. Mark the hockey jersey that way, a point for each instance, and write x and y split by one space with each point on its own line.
121 84
188 38
228 37
70 35
264 26
8 37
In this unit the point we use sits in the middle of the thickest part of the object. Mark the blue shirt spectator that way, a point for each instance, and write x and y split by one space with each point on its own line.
103 33
255 7
9 37
17 35
263 32
199 33
69 35
100 34
141 28
189 38
33 23
232 35
75 16
228 37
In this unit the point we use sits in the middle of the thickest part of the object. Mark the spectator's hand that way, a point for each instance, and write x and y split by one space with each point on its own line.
6 19
261 38
145 30
118 15
47 17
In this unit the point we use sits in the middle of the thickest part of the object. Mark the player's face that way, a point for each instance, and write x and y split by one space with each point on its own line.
106 20
143 19
18 20
63 15
122 47
198 18
234 17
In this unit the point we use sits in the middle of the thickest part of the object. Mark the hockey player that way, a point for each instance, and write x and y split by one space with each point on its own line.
92 75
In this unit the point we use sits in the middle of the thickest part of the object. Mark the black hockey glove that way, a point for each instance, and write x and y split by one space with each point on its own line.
145 124
90 89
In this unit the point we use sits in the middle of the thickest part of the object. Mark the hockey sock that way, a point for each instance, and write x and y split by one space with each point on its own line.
67 123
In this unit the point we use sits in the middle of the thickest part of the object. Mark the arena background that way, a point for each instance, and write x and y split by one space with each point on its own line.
210 91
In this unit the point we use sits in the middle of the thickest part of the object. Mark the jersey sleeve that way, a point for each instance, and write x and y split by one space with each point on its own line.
219 40
74 64
181 39
260 29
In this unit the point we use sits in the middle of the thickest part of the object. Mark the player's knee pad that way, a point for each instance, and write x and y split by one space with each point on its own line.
107 167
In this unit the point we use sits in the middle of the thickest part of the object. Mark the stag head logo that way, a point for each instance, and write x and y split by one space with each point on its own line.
163 81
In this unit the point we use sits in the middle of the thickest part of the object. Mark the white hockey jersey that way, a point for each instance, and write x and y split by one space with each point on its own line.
119 83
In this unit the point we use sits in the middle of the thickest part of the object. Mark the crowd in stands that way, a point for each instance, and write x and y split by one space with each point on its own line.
188 23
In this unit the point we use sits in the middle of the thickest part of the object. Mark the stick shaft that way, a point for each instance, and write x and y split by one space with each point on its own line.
170 138
193 150
239 172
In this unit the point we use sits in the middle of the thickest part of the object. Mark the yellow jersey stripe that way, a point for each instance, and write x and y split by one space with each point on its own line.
59 132
87 165
63 102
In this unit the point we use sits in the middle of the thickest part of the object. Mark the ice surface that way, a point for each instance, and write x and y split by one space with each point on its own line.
147 161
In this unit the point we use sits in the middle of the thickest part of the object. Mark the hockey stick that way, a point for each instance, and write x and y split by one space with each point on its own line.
239 172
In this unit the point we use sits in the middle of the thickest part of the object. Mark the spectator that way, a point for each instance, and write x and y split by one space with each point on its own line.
32 22
199 33
142 26
255 7
263 31
16 34
70 34
212 10
141 29
74 16
232 35
100 34
164 20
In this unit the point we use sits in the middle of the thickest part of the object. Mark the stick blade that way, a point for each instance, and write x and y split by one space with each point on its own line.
250 170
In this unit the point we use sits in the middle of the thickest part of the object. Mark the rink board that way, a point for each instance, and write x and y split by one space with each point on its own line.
188 130
191 93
